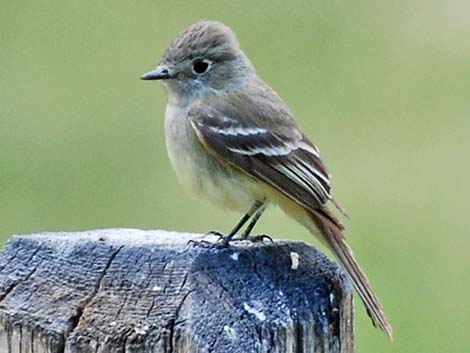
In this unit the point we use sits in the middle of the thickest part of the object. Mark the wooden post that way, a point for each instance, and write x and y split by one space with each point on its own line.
135 291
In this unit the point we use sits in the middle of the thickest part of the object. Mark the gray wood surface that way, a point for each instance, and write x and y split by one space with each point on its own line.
129 291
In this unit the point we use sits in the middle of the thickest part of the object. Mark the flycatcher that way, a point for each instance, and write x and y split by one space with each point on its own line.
232 139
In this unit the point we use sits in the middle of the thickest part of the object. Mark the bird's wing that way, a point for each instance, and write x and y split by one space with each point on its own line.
278 153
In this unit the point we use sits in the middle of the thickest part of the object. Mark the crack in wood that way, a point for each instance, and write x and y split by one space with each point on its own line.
75 320
10 288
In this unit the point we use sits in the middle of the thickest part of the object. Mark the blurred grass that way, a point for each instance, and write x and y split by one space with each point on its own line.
382 88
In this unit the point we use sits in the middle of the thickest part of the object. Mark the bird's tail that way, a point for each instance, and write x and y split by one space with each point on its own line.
331 232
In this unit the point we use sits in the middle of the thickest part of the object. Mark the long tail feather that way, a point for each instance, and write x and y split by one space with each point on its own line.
332 232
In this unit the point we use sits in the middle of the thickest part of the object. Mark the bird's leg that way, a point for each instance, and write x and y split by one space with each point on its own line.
256 206
247 232
255 219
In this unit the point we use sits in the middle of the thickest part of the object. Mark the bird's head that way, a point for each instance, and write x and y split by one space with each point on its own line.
205 59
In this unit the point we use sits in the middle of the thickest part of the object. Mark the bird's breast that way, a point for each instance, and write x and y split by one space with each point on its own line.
200 172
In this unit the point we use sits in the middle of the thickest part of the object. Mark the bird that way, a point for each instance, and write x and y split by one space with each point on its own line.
232 140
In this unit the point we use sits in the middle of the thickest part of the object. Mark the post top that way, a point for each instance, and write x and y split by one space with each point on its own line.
137 237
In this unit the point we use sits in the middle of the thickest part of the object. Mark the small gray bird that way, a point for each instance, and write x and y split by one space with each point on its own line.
232 139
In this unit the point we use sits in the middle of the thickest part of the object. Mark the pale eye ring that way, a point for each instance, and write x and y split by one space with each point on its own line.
201 66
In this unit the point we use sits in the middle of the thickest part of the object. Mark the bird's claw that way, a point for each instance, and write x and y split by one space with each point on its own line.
215 233
201 240
223 240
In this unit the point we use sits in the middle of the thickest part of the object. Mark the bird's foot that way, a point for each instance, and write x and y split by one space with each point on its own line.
222 241
202 241
215 233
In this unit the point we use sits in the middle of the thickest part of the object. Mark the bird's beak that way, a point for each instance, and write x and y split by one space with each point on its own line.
160 73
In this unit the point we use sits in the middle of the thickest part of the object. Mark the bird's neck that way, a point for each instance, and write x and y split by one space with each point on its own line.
185 93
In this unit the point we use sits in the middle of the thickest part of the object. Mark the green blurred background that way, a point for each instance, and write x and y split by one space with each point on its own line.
382 87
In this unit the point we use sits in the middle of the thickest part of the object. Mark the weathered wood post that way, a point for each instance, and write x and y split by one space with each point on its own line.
135 291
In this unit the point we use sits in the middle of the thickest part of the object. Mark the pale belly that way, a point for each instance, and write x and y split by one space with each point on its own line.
204 174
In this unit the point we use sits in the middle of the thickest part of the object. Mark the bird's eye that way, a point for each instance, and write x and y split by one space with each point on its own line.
201 66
